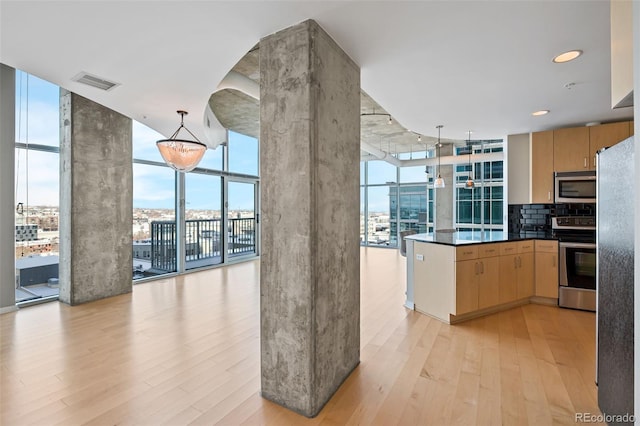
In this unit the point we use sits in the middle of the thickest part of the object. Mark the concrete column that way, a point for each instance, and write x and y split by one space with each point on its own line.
96 201
444 196
309 168
7 206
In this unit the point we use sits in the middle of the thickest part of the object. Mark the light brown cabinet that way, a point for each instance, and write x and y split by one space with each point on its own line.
606 135
488 282
466 286
508 278
631 128
453 283
477 279
516 271
546 269
542 167
571 149
525 283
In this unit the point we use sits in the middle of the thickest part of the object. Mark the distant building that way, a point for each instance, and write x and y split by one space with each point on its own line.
32 270
26 232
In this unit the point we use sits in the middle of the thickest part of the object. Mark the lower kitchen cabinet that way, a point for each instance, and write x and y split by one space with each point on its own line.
508 278
467 286
477 280
546 269
526 281
488 282
454 283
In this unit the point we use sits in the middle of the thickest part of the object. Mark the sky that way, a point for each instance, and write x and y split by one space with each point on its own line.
37 122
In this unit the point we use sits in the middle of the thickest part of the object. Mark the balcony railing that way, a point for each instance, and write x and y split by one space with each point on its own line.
203 242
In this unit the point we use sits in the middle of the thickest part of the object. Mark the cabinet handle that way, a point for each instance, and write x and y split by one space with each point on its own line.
549 195
585 162
554 260
482 267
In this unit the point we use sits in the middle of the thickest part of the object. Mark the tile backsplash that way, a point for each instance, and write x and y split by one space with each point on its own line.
535 219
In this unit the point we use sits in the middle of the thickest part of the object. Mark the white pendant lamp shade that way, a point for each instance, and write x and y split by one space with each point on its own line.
181 154
439 182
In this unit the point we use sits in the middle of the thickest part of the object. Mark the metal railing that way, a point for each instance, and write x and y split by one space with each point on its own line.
203 240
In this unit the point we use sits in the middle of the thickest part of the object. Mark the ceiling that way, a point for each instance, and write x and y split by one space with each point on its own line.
476 65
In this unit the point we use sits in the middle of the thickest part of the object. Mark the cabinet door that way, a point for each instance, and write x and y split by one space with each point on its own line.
467 272
571 149
508 278
606 135
526 283
546 267
489 282
542 167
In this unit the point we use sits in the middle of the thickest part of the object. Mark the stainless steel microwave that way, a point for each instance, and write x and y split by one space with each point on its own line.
575 187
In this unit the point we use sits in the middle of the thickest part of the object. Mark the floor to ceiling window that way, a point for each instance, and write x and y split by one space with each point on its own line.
203 220
220 194
395 199
482 207
37 188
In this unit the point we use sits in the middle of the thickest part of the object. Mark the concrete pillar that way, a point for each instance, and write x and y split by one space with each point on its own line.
444 196
309 169
7 188
96 201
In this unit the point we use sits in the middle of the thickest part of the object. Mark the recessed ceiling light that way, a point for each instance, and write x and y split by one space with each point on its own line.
541 112
567 56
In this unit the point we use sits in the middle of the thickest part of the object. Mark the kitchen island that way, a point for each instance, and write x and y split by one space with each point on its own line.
456 275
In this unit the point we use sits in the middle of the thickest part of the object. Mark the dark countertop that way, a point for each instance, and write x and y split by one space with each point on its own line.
458 238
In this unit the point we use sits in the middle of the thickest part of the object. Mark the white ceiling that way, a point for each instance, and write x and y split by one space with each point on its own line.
474 65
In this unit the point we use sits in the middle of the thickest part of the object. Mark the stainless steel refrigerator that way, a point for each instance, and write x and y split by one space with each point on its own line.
617 186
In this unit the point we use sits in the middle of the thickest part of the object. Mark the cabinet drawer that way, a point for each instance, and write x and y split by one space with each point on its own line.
508 248
488 250
525 246
546 246
466 252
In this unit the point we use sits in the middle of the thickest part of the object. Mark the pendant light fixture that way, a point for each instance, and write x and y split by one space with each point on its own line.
181 154
439 182
469 183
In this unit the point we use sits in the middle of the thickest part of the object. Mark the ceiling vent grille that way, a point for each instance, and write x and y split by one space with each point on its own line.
94 81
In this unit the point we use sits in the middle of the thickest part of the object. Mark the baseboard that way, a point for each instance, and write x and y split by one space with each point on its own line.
8 309
454 319
539 300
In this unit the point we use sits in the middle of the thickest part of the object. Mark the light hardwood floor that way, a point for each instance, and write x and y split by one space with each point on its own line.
186 351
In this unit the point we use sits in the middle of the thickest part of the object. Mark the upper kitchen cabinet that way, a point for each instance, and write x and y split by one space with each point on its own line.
606 135
631 128
571 149
542 162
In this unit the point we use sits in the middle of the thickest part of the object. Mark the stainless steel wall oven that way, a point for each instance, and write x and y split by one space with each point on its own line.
577 266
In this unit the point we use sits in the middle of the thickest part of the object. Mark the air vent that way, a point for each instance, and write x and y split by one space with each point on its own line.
94 81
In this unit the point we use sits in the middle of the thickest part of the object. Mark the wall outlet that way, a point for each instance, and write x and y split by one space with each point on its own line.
420 257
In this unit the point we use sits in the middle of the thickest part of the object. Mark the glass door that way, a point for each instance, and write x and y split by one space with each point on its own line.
203 220
242 228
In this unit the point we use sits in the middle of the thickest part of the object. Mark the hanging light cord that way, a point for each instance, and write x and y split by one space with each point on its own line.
173 136
20 207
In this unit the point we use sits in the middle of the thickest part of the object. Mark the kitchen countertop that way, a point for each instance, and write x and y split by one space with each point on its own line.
457 238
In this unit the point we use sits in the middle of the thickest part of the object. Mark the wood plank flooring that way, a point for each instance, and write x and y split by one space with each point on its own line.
186 351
